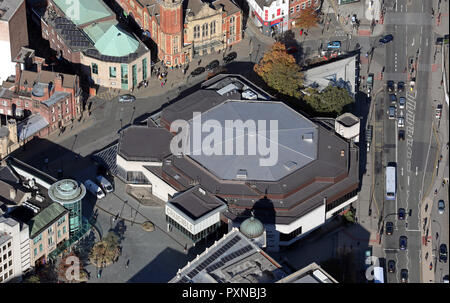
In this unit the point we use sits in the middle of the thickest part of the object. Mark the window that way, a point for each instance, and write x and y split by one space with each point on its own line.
278 11
175 44
112 72
213 28
53 119
40 247
59 233
196 31
298 8
61 221
35 251
67 110
232 30
11 272
10 263
273 16
5 103
205 30
232 19
64 229
53 110
144 68
309 3
9 244
9 253
303 5
95 68
37 239
50 230
50 241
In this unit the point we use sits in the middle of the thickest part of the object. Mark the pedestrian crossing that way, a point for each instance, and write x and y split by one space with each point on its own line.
340 33
107 95
409 118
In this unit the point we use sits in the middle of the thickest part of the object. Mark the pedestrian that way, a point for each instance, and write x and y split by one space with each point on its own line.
199 61
162 84
128 263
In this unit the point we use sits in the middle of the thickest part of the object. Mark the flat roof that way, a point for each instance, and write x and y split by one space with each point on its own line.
312 273
8 8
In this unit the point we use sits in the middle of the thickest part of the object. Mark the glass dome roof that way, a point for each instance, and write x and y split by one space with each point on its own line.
66 191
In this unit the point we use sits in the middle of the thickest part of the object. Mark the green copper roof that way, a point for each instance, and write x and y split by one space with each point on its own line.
83 11
252 228
96 30
45 217
116 42
66 191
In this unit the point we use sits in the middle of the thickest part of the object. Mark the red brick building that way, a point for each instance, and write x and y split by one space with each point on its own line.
295 7
186 29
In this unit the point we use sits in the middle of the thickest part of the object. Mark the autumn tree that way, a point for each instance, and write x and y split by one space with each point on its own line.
308 18
280 71
331 100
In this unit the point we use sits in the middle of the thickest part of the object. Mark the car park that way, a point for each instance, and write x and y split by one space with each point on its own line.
386 39
391 266
212 65
230 57
334 44
390 86
441 206
401 86
404 275
392 111
389 228
401 214
393 98
403 242
401 135
402 102
127 98
198 71
443 253
401 122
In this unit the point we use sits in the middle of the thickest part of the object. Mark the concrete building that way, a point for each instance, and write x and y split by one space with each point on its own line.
312 273
186 29
13 34
42 101
232 259
314 177
104 52
347 125
14 249
24 194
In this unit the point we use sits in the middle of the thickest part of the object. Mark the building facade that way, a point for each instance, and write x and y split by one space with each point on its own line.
184 30
270 16
13 34
14 249
103 51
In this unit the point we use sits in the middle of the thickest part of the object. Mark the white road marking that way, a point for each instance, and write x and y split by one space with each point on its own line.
402 171
426 42
417 170
413 42
408 180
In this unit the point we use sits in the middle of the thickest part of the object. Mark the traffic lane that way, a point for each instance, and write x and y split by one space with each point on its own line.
413 255
391 254
440 233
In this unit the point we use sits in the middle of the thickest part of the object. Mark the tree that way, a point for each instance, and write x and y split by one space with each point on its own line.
308 18
105 251
331 100
279 70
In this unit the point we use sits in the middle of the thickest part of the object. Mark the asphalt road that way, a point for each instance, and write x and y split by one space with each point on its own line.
410 23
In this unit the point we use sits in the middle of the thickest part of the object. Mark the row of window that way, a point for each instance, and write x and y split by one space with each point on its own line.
6 246
3 278
50 239
124 70
5 256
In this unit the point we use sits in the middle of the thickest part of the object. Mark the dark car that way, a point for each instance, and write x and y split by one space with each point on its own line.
212 65
127 98
401 135
401 214
403 242
389 228
390 86
443 253
387 39
404 275
230 57
393 98
292 50
198 71
391 266
401 86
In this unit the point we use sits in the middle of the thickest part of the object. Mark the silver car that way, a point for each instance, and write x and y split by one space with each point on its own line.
441 206
127 98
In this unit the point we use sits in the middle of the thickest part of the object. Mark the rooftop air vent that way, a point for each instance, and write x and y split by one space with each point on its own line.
342 153
40 198
242 174
202 191
290 165
308 137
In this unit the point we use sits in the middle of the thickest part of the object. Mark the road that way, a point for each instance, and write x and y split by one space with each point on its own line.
411 24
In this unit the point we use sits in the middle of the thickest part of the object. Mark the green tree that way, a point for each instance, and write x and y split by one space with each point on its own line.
332 100
279 71
32 279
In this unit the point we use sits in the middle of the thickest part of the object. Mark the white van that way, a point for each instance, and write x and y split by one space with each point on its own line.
105 184
94 189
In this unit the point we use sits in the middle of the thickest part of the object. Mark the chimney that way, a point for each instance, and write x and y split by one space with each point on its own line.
12 193
58 82
18 74
39 67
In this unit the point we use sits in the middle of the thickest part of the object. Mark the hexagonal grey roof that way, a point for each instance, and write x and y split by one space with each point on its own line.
296 146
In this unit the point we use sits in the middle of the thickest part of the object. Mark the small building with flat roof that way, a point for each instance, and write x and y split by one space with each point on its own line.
347 125
312 273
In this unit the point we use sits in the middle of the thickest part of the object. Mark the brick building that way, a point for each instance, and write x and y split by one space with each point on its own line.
183 30
44 101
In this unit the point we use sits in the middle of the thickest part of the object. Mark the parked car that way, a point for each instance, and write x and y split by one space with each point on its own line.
334 44
393 98
401 214
94 189
402 102
105 184
401 135
390 86
441 206
127 98
387 39
401 122
445 279
404 275
401 86
443 253
403 242
230 57
392 111
198 71
212 65
370 81
391 266
389 228
438 111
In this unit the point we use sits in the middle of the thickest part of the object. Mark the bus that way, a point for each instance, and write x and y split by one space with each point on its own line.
390 183
378 274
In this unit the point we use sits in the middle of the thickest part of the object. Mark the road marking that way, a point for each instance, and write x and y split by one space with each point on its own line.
402 171
417 170
413 42
408 180
427 42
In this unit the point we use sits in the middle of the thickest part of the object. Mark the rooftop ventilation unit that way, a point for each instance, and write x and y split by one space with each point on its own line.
242 174
342 153
308 137
249 95
228 88
34 208
290 165
40 198
202 191
168 161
